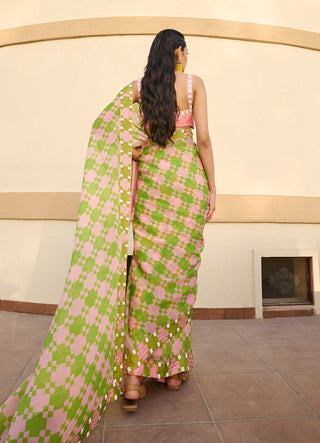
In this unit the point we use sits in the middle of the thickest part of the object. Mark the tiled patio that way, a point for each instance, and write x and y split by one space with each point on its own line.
254 381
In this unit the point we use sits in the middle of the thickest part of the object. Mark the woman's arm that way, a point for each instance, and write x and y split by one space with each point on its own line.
135 97
203 138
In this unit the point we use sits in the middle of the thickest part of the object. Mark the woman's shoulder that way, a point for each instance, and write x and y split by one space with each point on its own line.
197 80
198 85
136 84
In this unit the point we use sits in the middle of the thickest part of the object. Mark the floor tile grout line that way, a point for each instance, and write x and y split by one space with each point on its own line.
175 423
289 320
257 324
208 409
26 367
267 418
278 375
308 342
15 387
231 374
103 431
253 344
105 425
313 340
263 324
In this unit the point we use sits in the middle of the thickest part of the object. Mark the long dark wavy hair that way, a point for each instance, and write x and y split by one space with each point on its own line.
158 94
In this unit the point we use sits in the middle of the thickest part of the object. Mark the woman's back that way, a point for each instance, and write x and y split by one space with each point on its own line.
196 100
181 87
184 98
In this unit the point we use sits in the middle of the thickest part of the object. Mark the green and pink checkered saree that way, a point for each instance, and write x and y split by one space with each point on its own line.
100 329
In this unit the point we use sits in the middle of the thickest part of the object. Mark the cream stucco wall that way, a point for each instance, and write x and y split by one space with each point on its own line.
226 272
35 257
262 102
301 14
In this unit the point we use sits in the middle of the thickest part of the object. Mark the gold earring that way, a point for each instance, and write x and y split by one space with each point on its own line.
179 67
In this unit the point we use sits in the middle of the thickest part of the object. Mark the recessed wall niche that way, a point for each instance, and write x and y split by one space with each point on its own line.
286 277
286 280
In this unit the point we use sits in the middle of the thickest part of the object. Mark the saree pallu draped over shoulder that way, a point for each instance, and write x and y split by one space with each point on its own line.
81 363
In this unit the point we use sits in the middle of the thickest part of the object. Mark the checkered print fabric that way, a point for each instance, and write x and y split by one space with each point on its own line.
171 204
81 364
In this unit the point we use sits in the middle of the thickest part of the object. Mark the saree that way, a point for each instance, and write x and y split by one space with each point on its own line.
109 322
81 363
171 204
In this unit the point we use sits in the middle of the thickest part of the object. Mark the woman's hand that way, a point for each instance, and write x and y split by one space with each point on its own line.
138 150
212 205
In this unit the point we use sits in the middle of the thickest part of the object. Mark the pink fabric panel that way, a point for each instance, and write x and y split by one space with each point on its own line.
133 188
184 120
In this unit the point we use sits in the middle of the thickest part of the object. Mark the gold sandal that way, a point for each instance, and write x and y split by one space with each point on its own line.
183 376
132 404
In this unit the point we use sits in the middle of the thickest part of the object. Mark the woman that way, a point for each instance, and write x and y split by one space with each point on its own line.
173 191
81 364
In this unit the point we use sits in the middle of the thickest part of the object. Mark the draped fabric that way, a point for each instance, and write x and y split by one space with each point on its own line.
171 204
103 327
81 363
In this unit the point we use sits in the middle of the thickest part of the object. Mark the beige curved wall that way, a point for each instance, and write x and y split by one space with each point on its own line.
35 256
293 13
262 101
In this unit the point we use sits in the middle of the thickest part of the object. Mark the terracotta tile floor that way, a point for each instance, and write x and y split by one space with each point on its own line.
253 381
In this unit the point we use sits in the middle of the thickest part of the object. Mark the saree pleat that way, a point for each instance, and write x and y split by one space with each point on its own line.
171 204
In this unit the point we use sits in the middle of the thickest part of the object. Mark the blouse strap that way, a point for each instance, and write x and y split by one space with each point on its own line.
139 89
189 91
